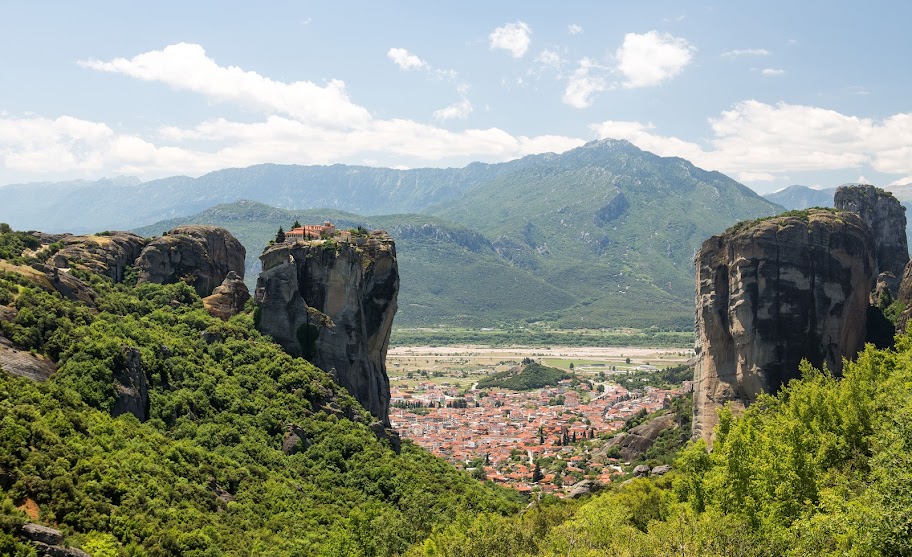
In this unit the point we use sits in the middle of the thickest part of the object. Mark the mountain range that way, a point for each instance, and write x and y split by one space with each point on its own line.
600 236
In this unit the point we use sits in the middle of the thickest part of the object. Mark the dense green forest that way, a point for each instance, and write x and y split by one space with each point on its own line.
206 474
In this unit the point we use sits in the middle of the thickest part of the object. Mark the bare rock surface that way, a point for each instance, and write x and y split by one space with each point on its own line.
107 254
634 443
583 488
771 293
886 217
333 303
131 387
200 255
43 534
228 299
23 363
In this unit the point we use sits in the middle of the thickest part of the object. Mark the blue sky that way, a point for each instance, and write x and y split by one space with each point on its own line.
771 93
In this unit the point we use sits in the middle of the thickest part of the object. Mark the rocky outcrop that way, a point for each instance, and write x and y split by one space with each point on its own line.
886 217
69 286
107 254
201 256
771 293
583 488
228 299
634 443
333 303
904 296
131 390
615 208
46 541
23 363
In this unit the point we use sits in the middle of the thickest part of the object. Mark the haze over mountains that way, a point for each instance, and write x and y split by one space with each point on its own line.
602 235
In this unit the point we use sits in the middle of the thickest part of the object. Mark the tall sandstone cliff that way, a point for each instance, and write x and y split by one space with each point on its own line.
886 217
333 304
771 293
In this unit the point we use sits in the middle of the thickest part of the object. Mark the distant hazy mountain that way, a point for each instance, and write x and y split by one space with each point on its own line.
802 197
110 204
903 192
600 236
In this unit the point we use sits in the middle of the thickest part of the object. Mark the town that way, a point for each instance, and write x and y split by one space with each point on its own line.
540 441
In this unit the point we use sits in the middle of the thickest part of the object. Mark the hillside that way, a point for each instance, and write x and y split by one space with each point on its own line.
526 377
246 451
449 275
614 225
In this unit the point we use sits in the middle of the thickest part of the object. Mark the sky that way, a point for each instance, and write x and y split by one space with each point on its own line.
771 93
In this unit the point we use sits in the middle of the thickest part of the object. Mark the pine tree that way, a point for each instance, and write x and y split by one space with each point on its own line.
537 475
296 224
280 236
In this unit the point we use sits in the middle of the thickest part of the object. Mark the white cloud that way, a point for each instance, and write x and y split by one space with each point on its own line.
755 141
587 80
301 123
459 110
405 59
549 59
862 180
650 58
513 37
772 72
186 67
746 52
574 29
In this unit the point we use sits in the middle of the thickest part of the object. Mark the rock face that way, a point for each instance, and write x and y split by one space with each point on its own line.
333 304
905 297
886 217
107 254
228 299
130 387
634 443
772 292
23 363
202 256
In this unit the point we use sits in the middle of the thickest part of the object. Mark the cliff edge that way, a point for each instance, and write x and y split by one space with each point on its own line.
770 293
333 303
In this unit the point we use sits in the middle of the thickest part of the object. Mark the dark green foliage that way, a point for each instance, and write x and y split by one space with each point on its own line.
668 378
527 377
206 474
12 244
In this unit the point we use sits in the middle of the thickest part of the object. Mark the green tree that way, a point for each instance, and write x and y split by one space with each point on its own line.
280 236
